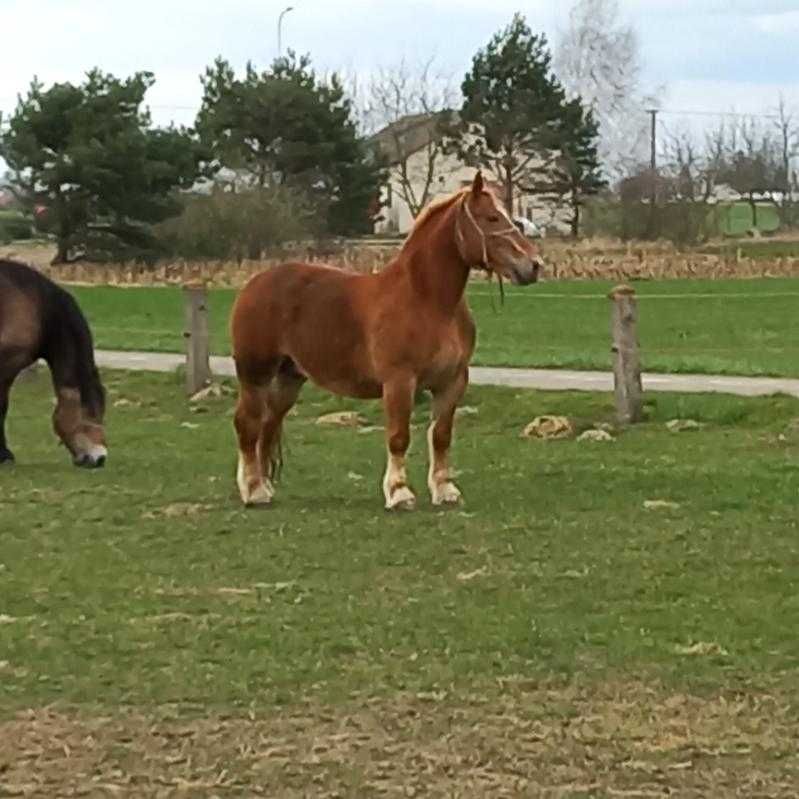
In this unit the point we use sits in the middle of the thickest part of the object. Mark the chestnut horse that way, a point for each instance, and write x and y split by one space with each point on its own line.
373 336
38 319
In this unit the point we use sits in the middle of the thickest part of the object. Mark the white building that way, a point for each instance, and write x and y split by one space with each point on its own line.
416 160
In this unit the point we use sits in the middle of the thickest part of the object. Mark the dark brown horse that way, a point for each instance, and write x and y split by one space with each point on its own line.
38 319
373 336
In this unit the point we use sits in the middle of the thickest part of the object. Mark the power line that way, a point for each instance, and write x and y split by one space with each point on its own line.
698 113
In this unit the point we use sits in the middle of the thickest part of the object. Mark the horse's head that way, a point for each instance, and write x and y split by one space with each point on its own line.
79 424
487 236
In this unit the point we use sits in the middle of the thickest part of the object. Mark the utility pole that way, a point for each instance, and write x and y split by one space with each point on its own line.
653 173
653 112
280 29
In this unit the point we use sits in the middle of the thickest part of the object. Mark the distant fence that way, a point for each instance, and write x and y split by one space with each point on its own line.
562 263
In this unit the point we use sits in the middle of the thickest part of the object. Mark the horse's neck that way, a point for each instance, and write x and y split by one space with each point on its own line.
431 257
65 353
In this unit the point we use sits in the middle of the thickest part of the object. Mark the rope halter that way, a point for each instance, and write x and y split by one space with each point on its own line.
505 233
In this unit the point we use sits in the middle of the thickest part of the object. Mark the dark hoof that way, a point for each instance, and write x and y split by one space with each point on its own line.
6 456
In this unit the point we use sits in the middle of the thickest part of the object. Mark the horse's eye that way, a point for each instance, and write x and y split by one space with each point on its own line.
493 219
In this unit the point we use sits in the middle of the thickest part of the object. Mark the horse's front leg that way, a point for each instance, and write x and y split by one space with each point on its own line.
398 404
6 455
439 437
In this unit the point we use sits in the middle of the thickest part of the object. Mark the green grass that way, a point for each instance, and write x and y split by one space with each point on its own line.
730 327
146 583
736 218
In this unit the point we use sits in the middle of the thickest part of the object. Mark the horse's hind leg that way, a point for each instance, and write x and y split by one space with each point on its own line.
254 487
280 397
6 455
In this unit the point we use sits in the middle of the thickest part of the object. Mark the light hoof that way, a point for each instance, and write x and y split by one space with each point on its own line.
259 496
401 498
446 494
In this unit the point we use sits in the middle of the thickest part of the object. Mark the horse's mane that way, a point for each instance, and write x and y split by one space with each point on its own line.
92 393
433 208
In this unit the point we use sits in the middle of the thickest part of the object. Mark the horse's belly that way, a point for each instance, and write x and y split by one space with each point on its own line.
349 387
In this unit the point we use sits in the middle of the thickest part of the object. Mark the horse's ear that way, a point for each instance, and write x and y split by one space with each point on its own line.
478 186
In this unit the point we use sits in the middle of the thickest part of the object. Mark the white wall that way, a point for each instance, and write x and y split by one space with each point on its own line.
450 176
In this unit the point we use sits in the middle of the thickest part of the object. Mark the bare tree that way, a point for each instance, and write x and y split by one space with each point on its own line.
683 167
408 105
787 126
598 58
356 91
752 163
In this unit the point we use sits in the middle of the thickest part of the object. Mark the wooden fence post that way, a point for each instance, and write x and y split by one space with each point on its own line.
198 356
626 358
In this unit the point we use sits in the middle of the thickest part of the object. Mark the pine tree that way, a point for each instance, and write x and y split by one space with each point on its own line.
286 127
516 122
511 106
577 173
89 154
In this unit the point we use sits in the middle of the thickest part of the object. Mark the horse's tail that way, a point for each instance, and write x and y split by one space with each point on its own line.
272 456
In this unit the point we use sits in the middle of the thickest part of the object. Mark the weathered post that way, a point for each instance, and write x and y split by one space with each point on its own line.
198 356
626 358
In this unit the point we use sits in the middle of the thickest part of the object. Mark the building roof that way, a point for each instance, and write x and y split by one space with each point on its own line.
407 135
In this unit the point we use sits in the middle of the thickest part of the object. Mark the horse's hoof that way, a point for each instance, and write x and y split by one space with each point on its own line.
260 497
401 499
6 457
446 494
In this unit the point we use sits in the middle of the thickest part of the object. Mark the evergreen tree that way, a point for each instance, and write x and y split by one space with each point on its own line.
578 173
286 127
515 119
88 154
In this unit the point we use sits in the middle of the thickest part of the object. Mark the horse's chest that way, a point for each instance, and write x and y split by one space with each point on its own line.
448 359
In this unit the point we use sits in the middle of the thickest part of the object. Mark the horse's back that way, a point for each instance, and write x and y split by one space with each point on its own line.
279 299
20 315
314 315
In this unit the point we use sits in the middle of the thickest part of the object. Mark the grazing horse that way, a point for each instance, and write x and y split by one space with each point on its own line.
373 336
38 319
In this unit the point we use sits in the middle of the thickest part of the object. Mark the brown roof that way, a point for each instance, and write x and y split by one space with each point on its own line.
407 135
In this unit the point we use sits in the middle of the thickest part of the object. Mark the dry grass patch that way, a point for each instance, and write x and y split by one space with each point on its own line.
608 740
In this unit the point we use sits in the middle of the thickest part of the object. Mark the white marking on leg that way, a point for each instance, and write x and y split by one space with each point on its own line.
442 490
395 489
262 492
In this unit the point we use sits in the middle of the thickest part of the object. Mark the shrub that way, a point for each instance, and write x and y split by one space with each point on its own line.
14 225
228 225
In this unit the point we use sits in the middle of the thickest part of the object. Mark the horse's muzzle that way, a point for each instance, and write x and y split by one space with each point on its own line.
91 460
525 275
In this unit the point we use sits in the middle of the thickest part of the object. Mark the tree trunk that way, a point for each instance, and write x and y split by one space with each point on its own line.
753 205
575 224
62 251
509 190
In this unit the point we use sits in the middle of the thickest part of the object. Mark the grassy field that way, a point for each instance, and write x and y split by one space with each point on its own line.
736 219
554 637
729 327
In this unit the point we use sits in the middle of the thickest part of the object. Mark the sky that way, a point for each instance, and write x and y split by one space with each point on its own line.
711 55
